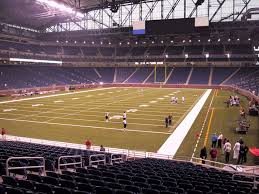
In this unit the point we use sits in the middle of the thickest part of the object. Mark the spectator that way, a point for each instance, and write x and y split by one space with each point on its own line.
88 144
3 132
214 140
220 137
246 149
241 154
203 154
227 149
213 154
236 150
102 149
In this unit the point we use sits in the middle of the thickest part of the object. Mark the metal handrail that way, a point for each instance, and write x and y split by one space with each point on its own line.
255 182
97 161
71 163
24 167
120 159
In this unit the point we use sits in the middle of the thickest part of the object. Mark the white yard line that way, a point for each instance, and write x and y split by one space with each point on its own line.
53 95
113 113
86 126
175 140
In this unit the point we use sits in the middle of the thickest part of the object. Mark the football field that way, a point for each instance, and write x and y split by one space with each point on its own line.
75 116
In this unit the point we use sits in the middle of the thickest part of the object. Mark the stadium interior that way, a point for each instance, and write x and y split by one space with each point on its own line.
129 96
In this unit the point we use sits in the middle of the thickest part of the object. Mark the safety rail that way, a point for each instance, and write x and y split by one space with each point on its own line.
253 176
209 162
98 161
69 163
8 168
116 159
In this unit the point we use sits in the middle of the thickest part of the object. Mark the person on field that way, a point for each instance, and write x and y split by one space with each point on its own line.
3 132
227 150
203 154
241 155
183 99
107 116
246 149
170 120
236 150
213 154
214 140
88 144
166 122
124 124
102 149
124 116
220 138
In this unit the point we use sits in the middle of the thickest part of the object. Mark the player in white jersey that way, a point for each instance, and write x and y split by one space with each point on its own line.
183 99
124 116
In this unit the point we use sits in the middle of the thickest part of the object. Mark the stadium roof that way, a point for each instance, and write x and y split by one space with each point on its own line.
35 15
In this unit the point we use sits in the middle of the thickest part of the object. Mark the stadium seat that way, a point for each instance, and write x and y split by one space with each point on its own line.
8 180
102 190
59 190
85 187
10 190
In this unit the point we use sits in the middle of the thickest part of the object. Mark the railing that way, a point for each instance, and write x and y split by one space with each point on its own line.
69 163
98 161
116 159
8 168
252 176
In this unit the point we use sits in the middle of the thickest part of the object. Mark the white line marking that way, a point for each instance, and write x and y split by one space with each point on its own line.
160 98
116 117
153 101
203 125
132 110
175 140
86 126
75 98
9 110
143 105
58 101
36 105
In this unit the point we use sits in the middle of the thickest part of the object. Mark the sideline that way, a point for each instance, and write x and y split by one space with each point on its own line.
175 140
53 95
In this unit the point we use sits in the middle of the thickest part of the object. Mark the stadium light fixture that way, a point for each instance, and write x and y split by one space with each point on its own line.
93 42
219 40
34 60
75 42
128 42
153 42
166 56
172 41
101 83
209 40
162 41
57 41
144 42
120 43
136 42
61 7
110 43
228 55
84 42
66 41
101 42
249 39
207 55
186 55
238 39
183 41
229 40
199 40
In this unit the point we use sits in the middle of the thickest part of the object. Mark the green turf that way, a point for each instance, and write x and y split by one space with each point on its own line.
224 120
74 120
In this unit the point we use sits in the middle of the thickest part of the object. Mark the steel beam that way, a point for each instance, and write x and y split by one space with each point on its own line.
217 10
172 9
